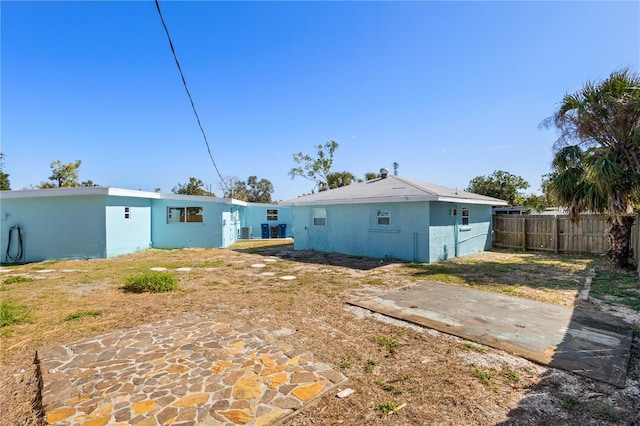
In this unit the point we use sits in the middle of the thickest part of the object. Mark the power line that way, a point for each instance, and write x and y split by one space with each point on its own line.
186 88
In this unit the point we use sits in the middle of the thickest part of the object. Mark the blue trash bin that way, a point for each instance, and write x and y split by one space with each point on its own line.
282 230
265 230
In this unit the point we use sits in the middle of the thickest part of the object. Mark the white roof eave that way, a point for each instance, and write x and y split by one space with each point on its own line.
398 199
489 202
108 191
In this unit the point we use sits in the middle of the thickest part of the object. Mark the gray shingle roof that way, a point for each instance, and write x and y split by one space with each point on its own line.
392 189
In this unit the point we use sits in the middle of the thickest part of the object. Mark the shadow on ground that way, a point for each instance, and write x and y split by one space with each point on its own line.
554 397
539 271
593 345
599 349
286 251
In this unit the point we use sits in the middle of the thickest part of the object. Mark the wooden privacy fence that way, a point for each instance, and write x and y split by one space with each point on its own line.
635 242
557 234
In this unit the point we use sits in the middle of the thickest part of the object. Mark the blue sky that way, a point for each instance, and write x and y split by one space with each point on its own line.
449 90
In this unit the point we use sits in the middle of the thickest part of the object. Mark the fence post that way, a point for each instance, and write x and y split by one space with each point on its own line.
524 234
636 249
555 234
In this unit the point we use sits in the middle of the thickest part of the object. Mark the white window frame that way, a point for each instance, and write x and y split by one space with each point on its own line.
319 217
464 217
183 214
272 215
127 213
383 218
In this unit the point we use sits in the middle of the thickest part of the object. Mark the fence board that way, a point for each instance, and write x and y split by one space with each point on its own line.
635 242
554 233
559 234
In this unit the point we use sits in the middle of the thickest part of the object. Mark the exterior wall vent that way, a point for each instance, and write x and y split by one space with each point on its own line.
384 172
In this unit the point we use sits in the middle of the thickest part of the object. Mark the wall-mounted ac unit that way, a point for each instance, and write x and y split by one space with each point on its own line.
245 233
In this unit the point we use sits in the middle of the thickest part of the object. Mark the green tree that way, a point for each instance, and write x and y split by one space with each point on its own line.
371 175
234 188
338 179
62 175
396 166
88 183
4 177
193 187
259 191
547 199
500 184
596 164
534 202
253 190
316 169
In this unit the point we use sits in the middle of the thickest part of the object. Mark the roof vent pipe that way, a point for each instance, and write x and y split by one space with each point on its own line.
384 172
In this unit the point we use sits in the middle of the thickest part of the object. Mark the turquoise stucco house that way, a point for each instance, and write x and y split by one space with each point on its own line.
390 217
394 217
101 222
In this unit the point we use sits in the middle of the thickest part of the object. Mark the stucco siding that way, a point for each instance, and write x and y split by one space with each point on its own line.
207 233
99 222
256 216
477 237
449 237
128 222
354 229
56 227
442 230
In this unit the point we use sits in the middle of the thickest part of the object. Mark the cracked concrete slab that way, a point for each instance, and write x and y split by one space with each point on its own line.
591 344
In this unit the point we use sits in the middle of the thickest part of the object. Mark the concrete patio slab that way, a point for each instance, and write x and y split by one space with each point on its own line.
591 344
190 370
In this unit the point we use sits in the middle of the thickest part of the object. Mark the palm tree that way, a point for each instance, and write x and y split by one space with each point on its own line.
338 179
596 165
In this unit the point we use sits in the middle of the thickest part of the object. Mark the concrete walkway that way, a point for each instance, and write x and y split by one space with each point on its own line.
190 370
592 344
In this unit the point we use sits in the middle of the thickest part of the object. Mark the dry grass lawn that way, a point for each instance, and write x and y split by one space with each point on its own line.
435 378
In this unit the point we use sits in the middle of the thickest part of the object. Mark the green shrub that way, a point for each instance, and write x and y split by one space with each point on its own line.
82 314
388 387
369 367
472 347
386 407
388 342
345 363
511 375
483 376
11 314
152 282
17 279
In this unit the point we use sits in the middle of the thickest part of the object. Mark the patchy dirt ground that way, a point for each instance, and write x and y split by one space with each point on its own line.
419 376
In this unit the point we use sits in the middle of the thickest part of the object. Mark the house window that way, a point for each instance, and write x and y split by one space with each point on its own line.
272 214
465 216
184 214
319 217
127 213
384 218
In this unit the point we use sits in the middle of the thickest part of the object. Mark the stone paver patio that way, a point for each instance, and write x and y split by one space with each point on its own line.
190 370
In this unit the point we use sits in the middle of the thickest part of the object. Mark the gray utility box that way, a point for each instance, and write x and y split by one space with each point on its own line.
245 233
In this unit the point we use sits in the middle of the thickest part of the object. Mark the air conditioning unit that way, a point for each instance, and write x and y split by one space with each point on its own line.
245 233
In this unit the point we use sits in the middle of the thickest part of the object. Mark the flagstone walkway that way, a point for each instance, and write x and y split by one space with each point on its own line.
190 370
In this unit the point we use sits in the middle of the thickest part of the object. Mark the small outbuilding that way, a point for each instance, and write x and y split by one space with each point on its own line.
394 217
